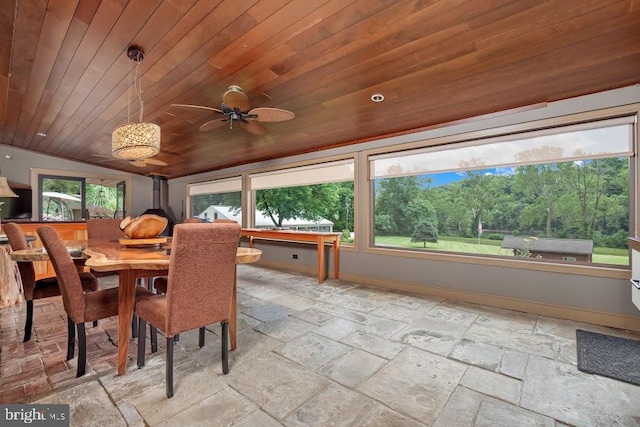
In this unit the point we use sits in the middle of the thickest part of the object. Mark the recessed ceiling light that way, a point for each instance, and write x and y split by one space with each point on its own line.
377 97
8 156
41 134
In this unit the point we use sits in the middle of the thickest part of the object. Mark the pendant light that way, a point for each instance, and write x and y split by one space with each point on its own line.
138 140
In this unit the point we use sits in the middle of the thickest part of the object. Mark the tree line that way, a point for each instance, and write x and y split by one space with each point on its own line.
573 200
332 201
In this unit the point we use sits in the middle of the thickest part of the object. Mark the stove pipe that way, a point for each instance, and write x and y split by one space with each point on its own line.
160 202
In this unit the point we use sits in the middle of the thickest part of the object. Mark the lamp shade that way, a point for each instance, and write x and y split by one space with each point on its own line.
5 190
136 141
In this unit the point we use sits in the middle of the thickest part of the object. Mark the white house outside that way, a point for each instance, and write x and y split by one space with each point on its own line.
261 221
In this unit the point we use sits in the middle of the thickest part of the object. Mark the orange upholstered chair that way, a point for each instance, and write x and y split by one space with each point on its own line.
80 306
192 220
37 289
199 288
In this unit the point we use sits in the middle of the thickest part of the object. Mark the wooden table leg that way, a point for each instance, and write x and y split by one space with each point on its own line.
320 259
336 257
126 299
233 321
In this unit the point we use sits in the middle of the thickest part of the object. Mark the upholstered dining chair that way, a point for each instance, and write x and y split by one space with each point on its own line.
109 229
160 283
104 229
41 288
80 306
199 289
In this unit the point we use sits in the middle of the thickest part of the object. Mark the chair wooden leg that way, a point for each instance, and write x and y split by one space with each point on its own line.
154 338
201 337
141 342
82 350
170 367
28 324
225 347
71 338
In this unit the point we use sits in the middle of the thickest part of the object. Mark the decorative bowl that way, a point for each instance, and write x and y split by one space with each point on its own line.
145 226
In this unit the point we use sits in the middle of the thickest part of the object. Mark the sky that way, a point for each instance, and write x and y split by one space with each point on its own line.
440 179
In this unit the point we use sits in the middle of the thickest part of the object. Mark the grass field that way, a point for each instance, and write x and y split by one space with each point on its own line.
492 247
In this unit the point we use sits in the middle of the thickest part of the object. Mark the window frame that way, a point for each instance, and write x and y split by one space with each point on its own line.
83 189
466 138
333 163
35 174
222 185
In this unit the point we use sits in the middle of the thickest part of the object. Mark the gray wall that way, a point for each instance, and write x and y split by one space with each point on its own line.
594 294
17 169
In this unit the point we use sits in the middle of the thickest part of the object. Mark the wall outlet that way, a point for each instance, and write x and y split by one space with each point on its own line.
295 256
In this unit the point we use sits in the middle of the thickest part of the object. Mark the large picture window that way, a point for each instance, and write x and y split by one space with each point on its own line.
219 199
558 194
316 197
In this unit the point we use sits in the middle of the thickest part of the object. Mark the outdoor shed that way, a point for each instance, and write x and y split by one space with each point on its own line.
563 249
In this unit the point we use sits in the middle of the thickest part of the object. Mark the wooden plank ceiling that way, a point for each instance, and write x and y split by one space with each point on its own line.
64 71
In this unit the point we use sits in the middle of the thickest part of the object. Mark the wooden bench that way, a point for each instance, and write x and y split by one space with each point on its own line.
316 237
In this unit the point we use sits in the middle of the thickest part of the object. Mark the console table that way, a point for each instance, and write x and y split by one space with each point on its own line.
319 238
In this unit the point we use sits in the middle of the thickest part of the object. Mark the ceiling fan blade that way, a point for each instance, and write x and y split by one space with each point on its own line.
253 126
201 107
266 114
152 161
236 98
212 124
138 163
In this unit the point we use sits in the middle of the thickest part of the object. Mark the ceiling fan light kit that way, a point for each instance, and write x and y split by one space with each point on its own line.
140 140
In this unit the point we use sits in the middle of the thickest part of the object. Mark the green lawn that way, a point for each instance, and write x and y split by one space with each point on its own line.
492 247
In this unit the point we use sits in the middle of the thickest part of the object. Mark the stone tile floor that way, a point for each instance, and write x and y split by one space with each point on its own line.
340 354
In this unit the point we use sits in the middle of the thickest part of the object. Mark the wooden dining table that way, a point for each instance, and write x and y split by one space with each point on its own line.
131 263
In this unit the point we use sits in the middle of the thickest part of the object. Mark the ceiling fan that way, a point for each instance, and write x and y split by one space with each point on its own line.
142 163
235 108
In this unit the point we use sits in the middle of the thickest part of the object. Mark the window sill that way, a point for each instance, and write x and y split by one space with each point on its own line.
612 272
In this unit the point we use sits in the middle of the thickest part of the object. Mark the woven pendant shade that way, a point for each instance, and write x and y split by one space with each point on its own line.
136 141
